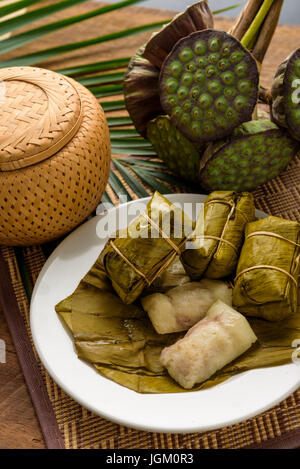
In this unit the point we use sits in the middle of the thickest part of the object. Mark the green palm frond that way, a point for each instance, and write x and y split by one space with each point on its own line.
95 67
41 56
136 167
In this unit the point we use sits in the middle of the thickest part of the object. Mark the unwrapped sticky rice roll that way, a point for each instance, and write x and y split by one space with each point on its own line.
181 307
218 339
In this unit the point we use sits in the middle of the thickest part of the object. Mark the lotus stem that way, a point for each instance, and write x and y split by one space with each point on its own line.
245 19
267 31
256 23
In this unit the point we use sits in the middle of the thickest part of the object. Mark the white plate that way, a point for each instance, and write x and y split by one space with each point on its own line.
235 400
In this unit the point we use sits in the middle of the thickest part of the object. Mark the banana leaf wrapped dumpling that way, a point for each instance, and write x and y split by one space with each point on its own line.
267 274
214 246
137 255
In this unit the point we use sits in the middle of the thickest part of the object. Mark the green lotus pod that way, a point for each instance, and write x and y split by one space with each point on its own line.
285 107
180 154
209 85
195 18
256 152
141 91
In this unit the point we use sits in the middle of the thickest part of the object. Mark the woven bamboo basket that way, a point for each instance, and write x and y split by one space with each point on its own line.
54 155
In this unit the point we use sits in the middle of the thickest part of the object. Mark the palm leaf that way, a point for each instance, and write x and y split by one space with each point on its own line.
41 56
27 18
121 133
95 67
119 121
102 79
113 105
109 90
14 23
148 178
118 187
16 6
131 180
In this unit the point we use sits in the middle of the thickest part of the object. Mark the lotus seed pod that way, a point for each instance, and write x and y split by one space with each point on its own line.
256 152
285 107
141 92
195 18
221 90
179 154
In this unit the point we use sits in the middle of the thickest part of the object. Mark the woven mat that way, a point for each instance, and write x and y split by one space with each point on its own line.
67 424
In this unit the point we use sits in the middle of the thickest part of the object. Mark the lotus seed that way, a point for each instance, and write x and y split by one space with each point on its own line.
213 58
186 55
221 104
200 48
177 112
173 101
230 114
201 62
241 70
214 44
226 49
210 71
236 57
187 105
229 92
214 87
191 67
197 113
183 92
172 85
199 76
223 64
205 100
176 69
221 122
195 93
185 119
244 86
240 102
228 78
187 79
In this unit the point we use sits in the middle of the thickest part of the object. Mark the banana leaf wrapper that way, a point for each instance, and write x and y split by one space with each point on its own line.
120 342
173 276
147 246
214 246
267 274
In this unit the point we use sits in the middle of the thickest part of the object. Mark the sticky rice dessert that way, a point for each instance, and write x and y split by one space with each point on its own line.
219 338
181 307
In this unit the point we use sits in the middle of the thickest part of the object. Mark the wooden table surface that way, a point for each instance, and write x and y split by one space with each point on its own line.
19 427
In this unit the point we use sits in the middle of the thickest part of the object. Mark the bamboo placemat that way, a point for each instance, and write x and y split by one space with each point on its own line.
66 423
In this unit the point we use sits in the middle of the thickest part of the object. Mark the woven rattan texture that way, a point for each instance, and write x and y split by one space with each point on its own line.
46 200
82 429
39 108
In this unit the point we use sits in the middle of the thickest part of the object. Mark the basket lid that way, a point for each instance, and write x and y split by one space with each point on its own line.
40 112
